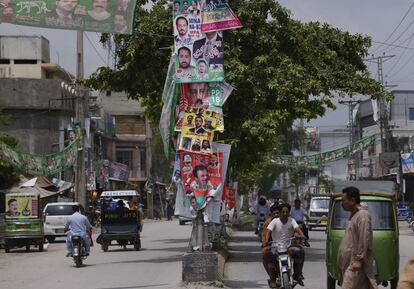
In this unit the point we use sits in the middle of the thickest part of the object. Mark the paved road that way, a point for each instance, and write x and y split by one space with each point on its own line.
244 268
157 265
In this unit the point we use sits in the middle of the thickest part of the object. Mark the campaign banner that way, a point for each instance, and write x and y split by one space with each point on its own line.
22 205
199 57
118 172
216 165
201 176
217 15
407 163
111 16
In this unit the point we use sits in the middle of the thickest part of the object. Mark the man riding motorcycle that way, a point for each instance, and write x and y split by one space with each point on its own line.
299 214
78 224
262 212
282 229
274 211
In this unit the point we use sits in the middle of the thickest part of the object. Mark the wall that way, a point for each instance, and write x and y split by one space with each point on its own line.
24 47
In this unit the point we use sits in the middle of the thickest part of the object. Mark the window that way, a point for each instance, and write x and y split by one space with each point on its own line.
319 204
411 113
381 215
124 157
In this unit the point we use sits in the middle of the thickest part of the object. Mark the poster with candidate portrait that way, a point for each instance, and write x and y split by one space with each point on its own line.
217 15
312 139
199 57
201 95
111 16
201 176
22 205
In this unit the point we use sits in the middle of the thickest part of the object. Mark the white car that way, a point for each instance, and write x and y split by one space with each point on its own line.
54 219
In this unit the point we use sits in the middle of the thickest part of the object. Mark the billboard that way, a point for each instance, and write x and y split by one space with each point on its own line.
22 205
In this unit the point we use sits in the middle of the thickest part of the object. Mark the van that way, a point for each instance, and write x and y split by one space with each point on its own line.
318 212
55 216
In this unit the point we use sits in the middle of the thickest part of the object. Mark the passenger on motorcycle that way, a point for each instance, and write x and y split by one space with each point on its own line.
281 230
78 224
299 214
274 211
261 211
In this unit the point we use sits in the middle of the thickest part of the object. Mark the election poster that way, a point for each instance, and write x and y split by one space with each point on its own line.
217 15
111 16
118 172
199 57
22 205
407 163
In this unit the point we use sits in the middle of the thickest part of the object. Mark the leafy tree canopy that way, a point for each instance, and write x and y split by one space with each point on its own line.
281 69
8 172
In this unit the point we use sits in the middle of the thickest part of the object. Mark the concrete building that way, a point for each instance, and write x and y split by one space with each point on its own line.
127 136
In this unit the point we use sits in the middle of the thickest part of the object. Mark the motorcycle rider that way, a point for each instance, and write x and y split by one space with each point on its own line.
299 214
262 212
78 224
281 230
274 211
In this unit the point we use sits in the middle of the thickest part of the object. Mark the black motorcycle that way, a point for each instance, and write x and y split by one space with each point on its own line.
79 250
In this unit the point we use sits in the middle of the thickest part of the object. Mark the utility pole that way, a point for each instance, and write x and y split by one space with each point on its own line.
383 114
350 104
80 182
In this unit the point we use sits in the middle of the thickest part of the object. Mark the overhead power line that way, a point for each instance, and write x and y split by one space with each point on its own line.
96 50
399 24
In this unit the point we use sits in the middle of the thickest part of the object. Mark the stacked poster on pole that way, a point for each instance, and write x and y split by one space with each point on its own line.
193 100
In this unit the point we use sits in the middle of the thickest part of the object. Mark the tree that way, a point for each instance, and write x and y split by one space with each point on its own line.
8 172
281 70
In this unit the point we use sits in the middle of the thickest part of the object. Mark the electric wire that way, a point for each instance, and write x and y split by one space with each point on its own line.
94 48
399 24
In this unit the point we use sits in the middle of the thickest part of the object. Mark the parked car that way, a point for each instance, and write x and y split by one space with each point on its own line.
182 220
378 197
54 219
318 212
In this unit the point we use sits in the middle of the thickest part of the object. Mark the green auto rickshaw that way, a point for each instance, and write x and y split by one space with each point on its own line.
379 198
23 225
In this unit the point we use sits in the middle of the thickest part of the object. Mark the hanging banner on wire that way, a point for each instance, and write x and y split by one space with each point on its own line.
41 165
111 16
199 57
329 156
217 15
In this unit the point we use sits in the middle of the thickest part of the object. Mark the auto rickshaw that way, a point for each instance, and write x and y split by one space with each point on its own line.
120 220
23 225
379 198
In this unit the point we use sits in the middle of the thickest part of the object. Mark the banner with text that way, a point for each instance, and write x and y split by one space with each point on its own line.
111 16
217 15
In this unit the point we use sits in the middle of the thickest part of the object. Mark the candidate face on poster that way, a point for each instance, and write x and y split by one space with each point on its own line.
199 57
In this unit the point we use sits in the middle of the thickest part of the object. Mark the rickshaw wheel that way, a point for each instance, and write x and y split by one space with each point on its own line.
394 283
137 245
104 247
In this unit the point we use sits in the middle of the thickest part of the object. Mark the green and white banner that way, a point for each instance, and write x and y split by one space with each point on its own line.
329 156
111 16
41 165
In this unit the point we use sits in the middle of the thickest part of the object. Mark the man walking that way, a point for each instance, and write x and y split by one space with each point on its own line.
355 252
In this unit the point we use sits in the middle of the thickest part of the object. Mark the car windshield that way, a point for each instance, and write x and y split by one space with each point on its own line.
318 204
59 210
381 214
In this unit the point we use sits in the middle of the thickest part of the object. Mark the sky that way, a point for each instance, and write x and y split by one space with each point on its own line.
382 20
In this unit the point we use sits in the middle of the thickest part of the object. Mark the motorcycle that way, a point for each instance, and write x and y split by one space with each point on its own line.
285 278
79 251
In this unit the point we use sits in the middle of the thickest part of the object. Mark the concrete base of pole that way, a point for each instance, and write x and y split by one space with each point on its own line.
200 266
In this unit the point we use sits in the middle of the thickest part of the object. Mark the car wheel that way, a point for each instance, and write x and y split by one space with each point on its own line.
50 239
7 248
41 247
137 245
394 283
182 222
310 228
330 282
104 247
27 248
